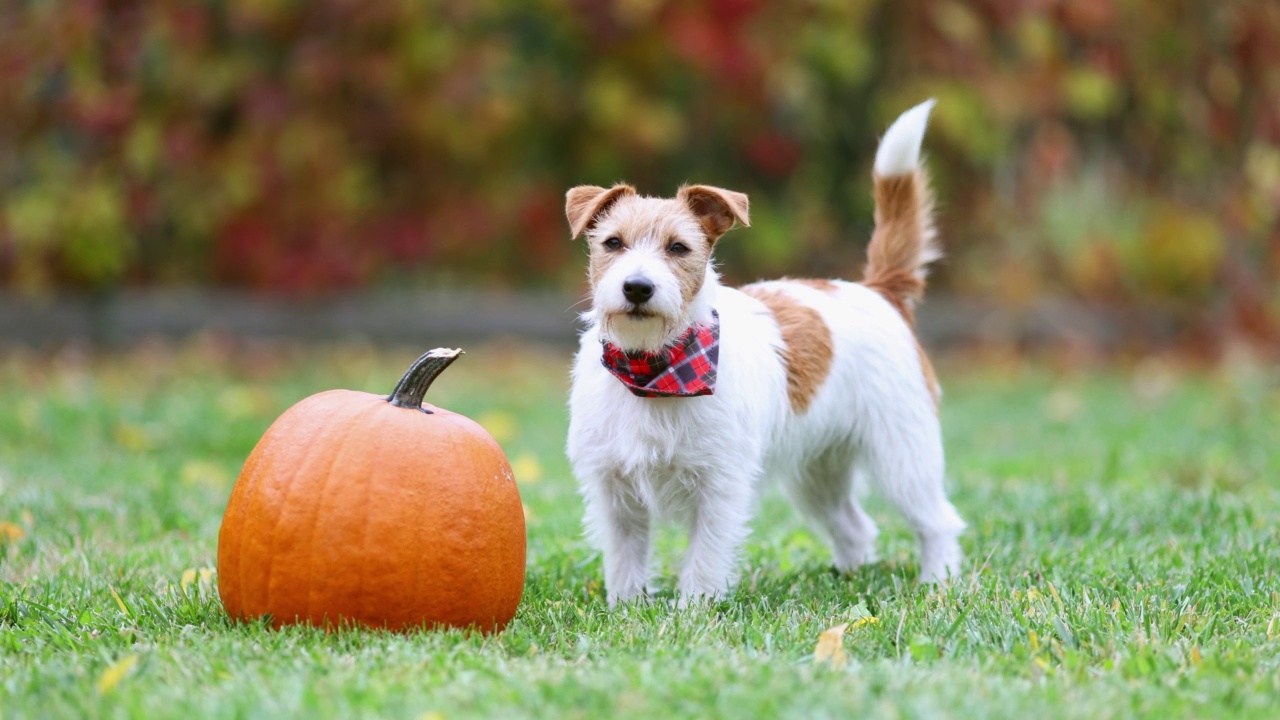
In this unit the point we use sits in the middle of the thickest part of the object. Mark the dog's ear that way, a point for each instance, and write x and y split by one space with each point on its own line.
583 204
715 208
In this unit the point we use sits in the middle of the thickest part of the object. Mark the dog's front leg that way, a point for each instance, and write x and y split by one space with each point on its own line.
720 523
621 524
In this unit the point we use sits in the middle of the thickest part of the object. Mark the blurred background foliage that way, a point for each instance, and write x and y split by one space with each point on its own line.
1120 153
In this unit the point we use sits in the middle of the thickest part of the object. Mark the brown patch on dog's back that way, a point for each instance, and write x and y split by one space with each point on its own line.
827 286
809 348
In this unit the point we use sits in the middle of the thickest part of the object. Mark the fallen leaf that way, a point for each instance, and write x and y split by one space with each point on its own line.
527 469
192 575
132 437
206 473
11 532
119 602
830 647
117 672
242 401
501 425
865 620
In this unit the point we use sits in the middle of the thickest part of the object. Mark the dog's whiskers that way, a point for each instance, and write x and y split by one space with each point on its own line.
585 299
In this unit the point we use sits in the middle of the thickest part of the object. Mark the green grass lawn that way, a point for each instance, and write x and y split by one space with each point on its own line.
1124 558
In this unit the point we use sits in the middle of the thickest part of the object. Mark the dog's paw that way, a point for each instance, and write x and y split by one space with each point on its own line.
938 571
846 563
618 600
686 599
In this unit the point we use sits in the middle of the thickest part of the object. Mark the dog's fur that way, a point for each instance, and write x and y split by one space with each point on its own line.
821 383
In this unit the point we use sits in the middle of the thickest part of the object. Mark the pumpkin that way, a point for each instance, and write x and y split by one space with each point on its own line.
386 512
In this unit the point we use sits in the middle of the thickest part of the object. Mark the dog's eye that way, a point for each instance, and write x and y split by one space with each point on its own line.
612 243
678 248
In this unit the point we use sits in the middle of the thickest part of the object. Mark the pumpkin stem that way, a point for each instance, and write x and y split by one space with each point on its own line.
418 379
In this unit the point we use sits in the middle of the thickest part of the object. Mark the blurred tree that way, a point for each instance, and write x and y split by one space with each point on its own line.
1121 151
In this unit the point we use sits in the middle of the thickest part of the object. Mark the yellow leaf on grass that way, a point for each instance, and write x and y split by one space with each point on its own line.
119 602
192 575
117 672
527 469
501 425
206 473
240 401
11 532
132 437
865 620
830 647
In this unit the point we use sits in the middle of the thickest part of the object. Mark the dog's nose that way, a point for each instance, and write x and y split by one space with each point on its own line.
637 289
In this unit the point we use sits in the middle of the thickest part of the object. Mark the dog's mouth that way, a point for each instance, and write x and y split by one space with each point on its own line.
635 312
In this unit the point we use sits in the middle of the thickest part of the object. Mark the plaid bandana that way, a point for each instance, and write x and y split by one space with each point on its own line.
685 369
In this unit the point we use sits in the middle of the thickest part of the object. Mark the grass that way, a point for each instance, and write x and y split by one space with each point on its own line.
1123 559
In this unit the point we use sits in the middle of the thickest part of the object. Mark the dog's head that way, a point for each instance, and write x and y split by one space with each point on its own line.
650 257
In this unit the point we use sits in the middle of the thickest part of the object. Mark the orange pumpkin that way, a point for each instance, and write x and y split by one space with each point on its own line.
379 511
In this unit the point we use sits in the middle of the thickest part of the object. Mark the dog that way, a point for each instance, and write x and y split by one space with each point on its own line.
686 393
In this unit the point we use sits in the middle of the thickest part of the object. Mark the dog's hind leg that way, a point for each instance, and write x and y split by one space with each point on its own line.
824 493
905 462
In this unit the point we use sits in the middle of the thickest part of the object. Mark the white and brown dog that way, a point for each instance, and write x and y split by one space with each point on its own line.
686 393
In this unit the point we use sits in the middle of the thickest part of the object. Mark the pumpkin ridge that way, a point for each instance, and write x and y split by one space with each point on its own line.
248 508
236 531
244 506
283 505
370 479
357 421
420 537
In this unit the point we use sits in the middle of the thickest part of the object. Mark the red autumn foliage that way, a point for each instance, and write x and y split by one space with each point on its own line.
1121 152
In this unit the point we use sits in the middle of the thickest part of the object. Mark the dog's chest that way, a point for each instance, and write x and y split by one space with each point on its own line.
656 434
647 438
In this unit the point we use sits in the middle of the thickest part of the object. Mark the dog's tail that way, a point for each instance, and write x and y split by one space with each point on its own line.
903 242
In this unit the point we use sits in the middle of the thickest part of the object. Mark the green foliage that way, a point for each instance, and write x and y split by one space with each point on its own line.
1123 557
327 144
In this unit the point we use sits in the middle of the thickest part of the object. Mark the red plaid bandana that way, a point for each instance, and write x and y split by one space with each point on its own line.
685 369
